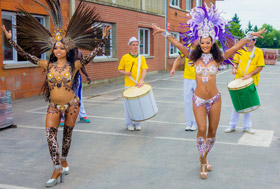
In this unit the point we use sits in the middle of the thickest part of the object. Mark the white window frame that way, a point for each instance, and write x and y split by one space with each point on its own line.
177 4
188 2
111 43
198 3
144 45
172 47
14 37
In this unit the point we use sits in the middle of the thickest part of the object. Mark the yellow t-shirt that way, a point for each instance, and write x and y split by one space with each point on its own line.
242 60
189 71
127 62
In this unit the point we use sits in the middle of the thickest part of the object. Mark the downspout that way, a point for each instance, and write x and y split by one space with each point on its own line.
166 26
72 6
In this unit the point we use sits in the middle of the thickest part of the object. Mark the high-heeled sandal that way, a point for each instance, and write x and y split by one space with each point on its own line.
209 167
65 168
203 173
53 181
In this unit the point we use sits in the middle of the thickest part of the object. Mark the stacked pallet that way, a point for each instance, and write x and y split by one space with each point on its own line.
6 113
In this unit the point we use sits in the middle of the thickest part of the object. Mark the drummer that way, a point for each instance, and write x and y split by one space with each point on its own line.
129 67
256 66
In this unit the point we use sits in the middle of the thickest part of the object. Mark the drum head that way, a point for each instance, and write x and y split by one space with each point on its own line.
134 92
239 83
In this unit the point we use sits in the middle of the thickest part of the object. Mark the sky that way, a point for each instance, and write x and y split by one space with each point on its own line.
259 12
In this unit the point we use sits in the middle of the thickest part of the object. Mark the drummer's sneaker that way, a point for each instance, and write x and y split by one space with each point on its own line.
188 128
138 128
193 128
229 130
130 128
84 120
249 130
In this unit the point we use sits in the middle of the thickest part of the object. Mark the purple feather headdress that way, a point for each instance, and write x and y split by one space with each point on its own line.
207 22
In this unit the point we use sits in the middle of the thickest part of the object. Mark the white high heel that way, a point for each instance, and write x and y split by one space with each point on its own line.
209 167
52 182
66 170
204 174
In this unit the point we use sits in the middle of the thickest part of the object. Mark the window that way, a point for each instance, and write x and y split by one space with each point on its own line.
107 48
189 5
175 3
144 39
9 53
173 51
198 3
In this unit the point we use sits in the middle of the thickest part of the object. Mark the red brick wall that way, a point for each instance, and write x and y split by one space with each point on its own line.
27 82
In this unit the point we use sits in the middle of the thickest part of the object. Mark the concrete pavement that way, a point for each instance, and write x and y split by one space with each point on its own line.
161 156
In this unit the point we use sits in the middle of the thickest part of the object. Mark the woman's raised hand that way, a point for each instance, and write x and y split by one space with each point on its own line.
258 34
7 34
157 29
106 30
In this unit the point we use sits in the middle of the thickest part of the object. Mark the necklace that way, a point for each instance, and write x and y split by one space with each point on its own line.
206 58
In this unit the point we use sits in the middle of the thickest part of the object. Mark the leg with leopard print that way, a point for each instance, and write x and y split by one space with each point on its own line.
70 119
52 121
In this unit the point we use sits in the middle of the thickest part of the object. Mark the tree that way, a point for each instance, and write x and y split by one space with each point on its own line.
271 38
235 26
249 27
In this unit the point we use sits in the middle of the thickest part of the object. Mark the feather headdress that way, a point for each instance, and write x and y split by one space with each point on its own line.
82 30
205 22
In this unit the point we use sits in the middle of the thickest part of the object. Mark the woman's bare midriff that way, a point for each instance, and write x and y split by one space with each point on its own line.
61 96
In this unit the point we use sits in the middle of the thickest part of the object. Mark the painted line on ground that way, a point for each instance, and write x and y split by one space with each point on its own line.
5 186
250 143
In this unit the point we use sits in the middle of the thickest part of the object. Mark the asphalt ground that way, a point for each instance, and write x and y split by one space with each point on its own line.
162 155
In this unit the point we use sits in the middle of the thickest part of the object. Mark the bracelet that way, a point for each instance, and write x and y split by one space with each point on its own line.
166 33
249 36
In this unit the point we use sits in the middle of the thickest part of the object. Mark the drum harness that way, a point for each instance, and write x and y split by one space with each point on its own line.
249 61
138 70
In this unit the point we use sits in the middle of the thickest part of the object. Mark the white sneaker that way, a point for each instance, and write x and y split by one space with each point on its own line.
229 130
193 128
249 130
130 128
138 128
188 128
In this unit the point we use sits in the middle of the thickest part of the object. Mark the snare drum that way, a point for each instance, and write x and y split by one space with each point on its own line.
244 95
140 102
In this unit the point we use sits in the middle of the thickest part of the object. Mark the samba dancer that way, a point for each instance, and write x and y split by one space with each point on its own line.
255 67
61 69
207 26
129 67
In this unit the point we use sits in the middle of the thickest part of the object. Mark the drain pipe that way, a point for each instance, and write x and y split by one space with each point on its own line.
72 6
166 26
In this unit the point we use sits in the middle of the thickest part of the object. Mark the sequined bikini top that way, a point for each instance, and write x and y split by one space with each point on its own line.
206 70
57 78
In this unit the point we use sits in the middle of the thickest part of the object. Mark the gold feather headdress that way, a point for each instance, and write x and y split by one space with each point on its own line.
82 30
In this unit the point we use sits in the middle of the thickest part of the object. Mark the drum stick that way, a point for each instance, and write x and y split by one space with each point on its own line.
132 66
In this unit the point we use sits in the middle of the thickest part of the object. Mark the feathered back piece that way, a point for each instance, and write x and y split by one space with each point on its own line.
205 22
84 27
82 30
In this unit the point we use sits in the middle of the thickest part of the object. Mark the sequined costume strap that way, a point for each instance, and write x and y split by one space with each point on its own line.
25 55
89 57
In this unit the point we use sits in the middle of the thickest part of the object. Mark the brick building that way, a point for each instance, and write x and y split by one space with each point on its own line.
128 18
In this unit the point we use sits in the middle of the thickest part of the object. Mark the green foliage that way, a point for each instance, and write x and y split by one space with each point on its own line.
235 27
271 39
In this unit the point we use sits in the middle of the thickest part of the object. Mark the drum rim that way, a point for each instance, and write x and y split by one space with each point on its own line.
250 110
137 96
245 86
145 119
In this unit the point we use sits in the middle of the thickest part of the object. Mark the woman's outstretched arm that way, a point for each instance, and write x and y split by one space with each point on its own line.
25 55
87 59
230 52
172 39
